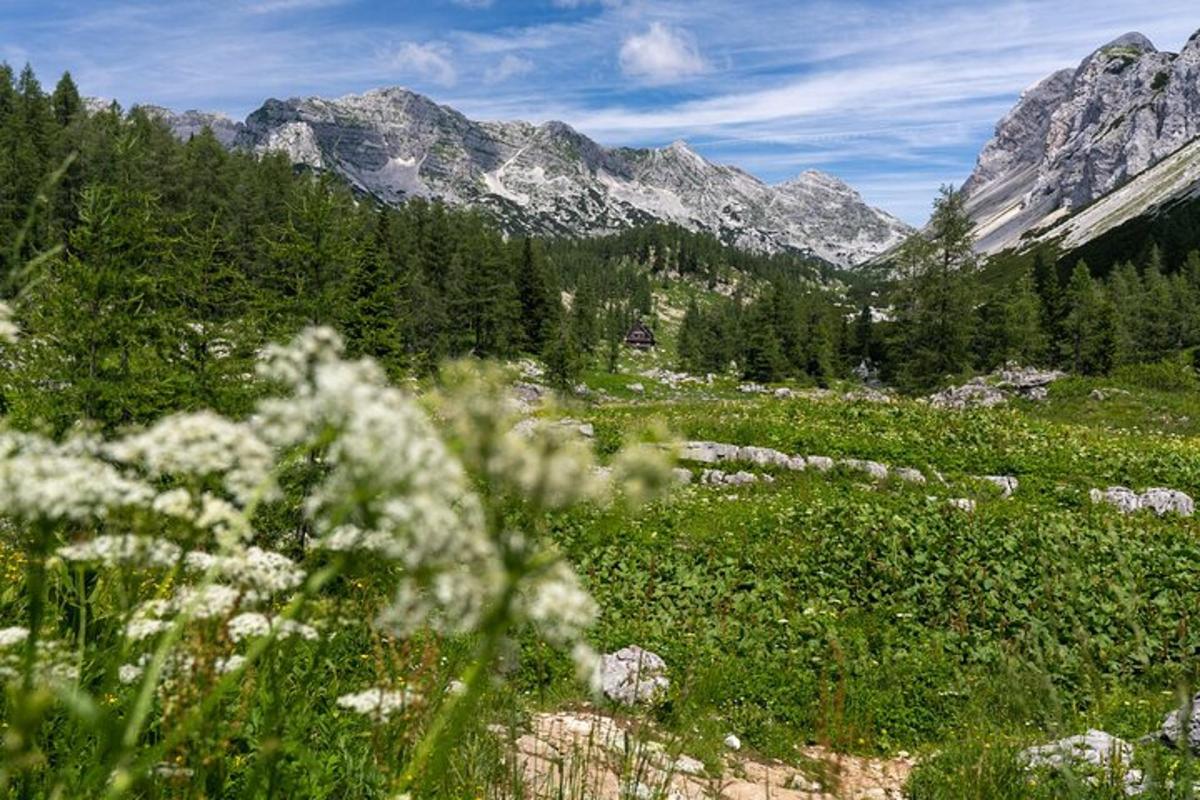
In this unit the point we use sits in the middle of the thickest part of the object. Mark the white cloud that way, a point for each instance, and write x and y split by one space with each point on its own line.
661 55
274 6
509 67
430 60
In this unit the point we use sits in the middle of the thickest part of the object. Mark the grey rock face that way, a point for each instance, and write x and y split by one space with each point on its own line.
189 123
633 676
1097 754
1082 133
1181 728
396 145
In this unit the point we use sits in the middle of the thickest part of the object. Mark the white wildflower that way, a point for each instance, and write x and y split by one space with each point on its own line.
42 480
12 636
174 503
202 445
123 550
172 772
263 573
140 628
230 664
129 674
557 605
251 625
379 704
228 524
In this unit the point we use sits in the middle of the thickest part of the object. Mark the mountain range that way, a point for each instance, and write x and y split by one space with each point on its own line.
395 145
1084 151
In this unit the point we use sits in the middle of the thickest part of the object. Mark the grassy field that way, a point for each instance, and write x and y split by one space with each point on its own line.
816 608
827 608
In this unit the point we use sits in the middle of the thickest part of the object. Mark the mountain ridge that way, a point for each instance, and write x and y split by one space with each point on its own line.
1080 135
395 144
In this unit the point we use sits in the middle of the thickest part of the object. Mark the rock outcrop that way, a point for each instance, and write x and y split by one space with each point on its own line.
633 676
1160 501
1181 728
1082 133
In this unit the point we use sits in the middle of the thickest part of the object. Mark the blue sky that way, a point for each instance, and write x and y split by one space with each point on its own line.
894 96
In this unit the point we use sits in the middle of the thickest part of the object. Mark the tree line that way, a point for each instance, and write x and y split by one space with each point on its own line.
147 272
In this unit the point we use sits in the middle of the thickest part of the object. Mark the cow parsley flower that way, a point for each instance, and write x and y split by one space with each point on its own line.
262 573
253 625
12 636
202 445
378 704
42 480
123 551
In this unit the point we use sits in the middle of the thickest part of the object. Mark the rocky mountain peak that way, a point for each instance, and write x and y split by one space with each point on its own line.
1081 133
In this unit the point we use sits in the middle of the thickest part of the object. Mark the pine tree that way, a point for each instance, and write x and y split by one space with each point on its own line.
65 101
541 307
564 362
934 314
1089 325
762 356
372 325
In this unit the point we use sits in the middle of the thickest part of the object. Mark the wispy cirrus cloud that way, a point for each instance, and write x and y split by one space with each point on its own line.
431 60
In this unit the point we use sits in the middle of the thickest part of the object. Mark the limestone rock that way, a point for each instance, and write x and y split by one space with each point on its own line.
633 676
1173 727
1081 133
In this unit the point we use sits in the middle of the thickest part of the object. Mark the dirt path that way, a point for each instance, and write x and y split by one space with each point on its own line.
589 756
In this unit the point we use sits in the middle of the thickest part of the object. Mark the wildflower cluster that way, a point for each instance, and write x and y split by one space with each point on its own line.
169 519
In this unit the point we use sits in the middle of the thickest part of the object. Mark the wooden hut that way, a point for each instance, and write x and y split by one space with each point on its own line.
640 337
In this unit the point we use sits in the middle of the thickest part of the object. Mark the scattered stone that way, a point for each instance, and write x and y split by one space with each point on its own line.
1097 748
715 477
799 783
709 452
963 504
765 457
530 393
686 765
733 742
1099 752
1160 501
1007 484
752 388
1125 500
976 394
784 394
1172 731
997 388
1100 395
910 475
582 754
682 476
873 468
1026 379
673 379
633 676
1168 501
820 463
637 388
